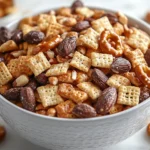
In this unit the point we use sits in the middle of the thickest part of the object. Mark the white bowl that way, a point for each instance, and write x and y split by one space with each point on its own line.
72 134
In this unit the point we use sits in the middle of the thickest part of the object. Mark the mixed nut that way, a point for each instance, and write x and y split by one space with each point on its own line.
75 62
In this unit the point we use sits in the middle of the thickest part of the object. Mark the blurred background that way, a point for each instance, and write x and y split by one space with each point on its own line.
23 8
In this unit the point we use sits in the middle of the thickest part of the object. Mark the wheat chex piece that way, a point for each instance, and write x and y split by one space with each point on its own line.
128 95
66 78
18 66
68 91
81 62
116 108
54 29
85 11
64 109
48 95
136 57
5 75
92 90
58 69
38 63
44 20
89 39
101 60
118 80
139 39
8 46
101 24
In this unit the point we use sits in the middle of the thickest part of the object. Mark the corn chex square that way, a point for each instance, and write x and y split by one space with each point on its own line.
118 80
81 62
101 60
5 75
44 20
48 95
85 11
68 91
18 66
38 63
58 69
101 24
8 46
116 108
139 39
89 39
92 90
136 57
128 95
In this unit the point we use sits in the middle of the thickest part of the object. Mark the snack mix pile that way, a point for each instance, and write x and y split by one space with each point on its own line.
6 7
75 62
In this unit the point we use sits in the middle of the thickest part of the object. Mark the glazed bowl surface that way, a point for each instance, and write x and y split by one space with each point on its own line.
71 134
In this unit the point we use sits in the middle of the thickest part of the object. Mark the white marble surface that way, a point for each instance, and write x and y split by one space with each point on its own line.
139 141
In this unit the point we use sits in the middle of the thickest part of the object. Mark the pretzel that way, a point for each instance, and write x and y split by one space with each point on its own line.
48 95
64 109
128 95
57 69
111 43
138 39
143 73
5 75
8 46
89 38
48 43
133 78
118 80
4 88
116 108
136 57
101 24
84 11
92 90
68 91
81 62
101 60
38 63
18 66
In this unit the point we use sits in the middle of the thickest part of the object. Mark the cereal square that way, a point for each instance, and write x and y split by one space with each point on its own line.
128 95
38 63
44 20
85 11
101 60
18 66
92 90
48 95
81 62
68 91
101 24
139 39
5 75
89 39
136 57
64 109
118 80
58 69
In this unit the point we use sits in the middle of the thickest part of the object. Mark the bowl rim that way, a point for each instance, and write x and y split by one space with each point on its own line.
125 112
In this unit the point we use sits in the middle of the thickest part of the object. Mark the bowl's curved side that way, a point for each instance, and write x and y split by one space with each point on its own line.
57 134
76 134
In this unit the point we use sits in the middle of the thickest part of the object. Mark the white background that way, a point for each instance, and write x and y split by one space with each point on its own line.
139 141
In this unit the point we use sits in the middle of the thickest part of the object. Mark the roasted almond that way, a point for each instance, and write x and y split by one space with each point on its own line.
83 110
106 100
99 78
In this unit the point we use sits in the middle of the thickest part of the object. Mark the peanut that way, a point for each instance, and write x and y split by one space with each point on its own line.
51 112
